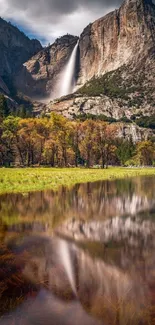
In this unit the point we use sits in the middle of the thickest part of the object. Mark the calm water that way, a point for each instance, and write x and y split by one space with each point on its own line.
83 256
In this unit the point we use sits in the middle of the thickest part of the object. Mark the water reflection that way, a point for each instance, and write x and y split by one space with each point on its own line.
106 291
80 256
97 201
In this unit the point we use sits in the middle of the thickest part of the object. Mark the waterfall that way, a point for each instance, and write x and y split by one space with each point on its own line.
67 84
67 263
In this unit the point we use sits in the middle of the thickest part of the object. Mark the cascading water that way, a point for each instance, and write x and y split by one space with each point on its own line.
68 77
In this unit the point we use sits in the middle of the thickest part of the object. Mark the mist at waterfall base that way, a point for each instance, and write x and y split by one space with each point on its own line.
67 80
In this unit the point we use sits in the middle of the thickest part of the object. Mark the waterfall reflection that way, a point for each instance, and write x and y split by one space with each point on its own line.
106 291
79 256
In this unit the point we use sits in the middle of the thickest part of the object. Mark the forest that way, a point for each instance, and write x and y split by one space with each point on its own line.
58 142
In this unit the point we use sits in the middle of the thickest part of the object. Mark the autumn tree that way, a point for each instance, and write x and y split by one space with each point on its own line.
61 134
32 134
50 151
145 153
88 129
57 141
104 142
76 135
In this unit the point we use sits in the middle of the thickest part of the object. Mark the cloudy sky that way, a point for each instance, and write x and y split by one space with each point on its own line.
48 19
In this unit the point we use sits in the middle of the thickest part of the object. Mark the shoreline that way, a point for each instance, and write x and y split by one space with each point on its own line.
26 180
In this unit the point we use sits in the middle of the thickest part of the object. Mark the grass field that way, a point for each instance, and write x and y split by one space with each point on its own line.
37 179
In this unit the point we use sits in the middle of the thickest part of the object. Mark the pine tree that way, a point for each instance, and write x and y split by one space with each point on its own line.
4 109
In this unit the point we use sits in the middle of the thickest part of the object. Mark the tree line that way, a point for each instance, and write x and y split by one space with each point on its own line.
58 142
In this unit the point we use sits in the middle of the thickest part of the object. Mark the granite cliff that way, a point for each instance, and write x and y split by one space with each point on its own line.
117 69
40 74
120 38
123 37
15 49
115 66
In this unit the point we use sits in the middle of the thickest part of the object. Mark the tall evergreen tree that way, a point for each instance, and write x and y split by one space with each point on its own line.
4 109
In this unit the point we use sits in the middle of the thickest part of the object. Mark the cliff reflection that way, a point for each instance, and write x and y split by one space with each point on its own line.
117 291
79 256
96 201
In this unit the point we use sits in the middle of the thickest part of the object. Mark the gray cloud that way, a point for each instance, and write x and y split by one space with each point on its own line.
52 18
60 7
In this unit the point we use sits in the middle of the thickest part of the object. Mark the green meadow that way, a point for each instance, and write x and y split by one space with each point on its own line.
38 179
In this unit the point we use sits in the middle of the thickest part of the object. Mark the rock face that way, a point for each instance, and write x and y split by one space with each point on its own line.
39 76
73 106
119 38
115 64
111 107
15 49
132 131
118 50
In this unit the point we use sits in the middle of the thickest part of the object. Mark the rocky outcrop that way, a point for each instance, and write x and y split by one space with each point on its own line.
15 48
116 108
75 105
111 108
132 131
39 76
